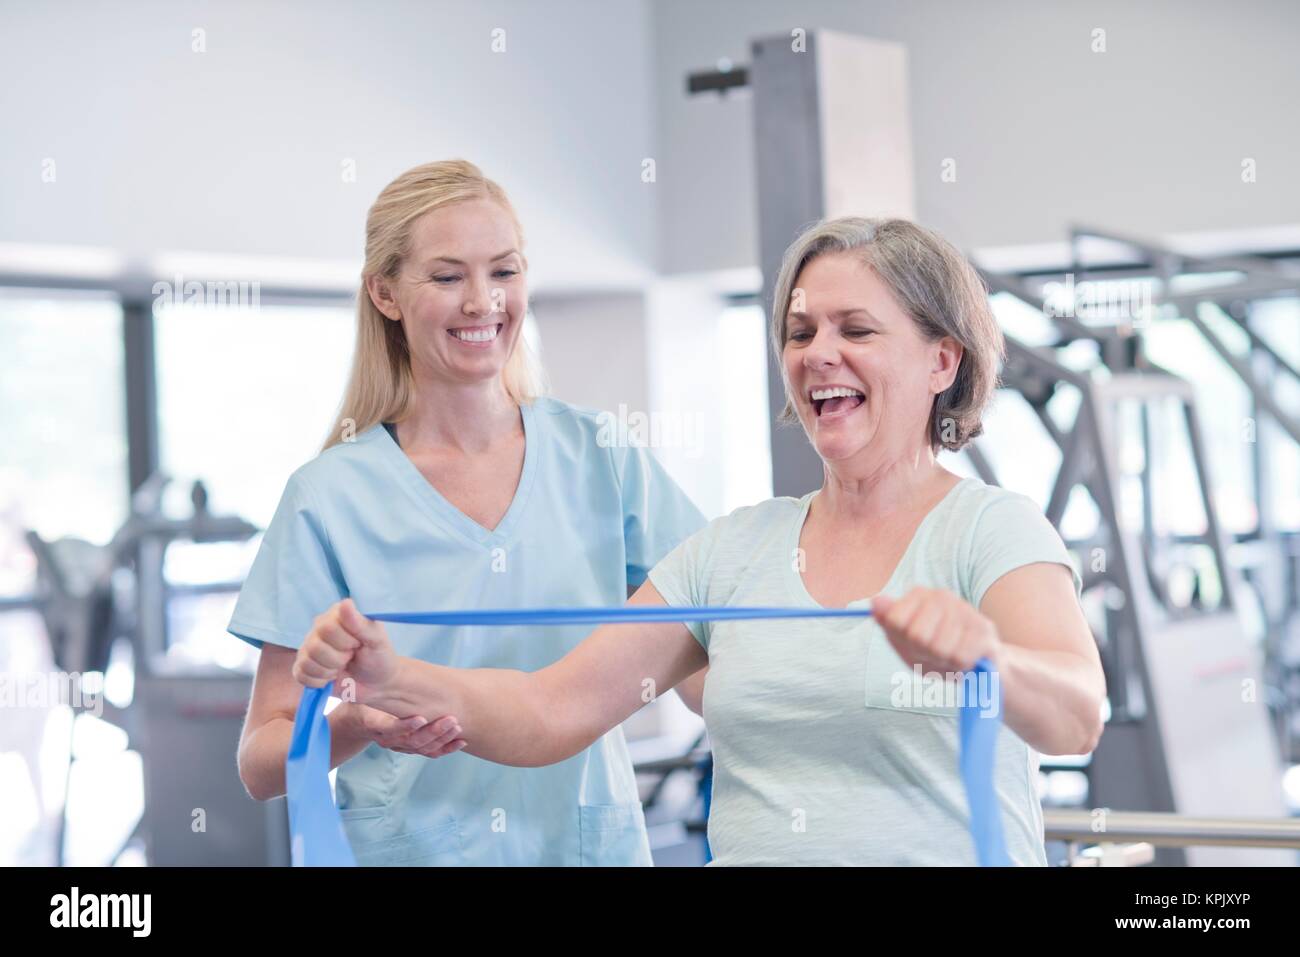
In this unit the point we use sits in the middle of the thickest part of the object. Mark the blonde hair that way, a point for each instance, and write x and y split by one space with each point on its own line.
381 387
935 285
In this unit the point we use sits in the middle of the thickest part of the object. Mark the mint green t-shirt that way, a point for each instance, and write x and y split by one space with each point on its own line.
826 749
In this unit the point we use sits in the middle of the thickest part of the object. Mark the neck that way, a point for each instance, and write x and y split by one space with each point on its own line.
875 490
467 417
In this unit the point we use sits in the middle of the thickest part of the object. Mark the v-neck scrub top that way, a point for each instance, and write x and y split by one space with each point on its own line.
587 520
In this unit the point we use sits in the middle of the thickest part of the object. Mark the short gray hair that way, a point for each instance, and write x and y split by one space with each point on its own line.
935 285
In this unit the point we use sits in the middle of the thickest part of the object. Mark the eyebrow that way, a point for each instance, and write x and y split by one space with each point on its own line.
457 262
836 314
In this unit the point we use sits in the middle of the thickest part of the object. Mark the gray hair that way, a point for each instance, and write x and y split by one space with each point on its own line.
935 285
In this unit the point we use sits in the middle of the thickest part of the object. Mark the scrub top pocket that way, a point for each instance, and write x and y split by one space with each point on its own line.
613 834
439 846
893 685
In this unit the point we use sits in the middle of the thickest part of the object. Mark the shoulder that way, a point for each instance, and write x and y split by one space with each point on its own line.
573 430
973 505
598 438
991 531
340 467
558 415
750 527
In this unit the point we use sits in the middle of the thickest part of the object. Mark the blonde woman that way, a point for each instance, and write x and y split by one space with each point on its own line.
448 483
827 749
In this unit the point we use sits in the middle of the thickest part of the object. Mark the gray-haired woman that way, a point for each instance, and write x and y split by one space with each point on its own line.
830 746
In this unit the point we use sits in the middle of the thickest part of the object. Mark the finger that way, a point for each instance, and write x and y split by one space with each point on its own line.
951 637
397 733
452 748
979 641
324 656
332 632
902 611
925 627
381 722
356 624
309 674
434 735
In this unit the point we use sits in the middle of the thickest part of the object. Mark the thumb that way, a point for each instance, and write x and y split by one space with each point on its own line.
355 623
880 606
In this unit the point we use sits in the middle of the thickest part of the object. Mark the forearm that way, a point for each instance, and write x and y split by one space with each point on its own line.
503 713
264 751
1051 699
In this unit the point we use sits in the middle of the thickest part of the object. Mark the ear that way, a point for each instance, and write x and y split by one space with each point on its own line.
947 359
381 294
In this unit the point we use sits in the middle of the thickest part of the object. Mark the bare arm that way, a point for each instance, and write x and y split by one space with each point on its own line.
268 728
1051 674
1030 625
531 719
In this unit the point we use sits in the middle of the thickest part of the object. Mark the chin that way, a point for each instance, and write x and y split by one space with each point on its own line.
836 450
839 445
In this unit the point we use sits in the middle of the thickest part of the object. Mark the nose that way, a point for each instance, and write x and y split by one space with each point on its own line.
824 350
478 299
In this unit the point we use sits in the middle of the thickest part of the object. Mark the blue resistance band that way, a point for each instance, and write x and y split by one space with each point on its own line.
316 829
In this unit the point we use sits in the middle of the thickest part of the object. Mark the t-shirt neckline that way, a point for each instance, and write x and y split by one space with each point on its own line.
794 579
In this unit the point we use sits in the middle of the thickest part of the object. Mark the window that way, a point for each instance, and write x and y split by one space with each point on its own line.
245 396
64 471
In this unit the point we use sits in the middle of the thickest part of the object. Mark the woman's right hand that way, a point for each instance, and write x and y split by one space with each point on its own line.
414 735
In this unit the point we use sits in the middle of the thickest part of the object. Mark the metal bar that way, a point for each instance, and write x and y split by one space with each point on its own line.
1105 491
1040 409
1282 416
1170 830
1213 531
717 81
141 392
983 467
1157 252
1071 469
1259 343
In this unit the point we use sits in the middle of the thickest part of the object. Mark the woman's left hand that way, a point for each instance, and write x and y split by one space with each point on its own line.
937 630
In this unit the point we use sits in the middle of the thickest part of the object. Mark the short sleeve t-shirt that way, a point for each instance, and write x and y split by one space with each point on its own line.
818 758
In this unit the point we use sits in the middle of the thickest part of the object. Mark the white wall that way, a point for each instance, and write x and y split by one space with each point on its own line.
1146 138
239 149
593 348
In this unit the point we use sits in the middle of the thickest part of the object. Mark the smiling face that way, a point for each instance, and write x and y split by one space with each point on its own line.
861 376
461 292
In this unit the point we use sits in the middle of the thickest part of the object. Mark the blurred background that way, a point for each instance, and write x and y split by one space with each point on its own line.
183 188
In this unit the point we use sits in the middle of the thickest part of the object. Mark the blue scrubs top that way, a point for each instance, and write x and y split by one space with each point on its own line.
587 520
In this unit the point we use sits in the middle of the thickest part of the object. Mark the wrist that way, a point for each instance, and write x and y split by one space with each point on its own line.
390 696
346 725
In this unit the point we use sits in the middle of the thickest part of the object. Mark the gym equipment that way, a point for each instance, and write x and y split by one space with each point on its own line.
184 721
1189 728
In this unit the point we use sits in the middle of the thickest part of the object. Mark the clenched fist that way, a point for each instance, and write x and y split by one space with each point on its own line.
937 630
346 647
